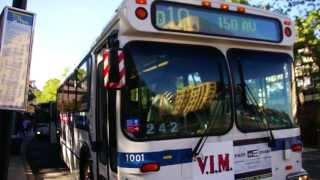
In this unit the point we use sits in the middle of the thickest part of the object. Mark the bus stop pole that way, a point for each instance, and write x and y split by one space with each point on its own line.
7 119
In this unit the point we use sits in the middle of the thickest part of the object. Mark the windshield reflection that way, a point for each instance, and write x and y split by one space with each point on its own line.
263 89
175 91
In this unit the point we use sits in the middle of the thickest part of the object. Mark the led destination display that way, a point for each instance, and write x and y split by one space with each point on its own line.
197 19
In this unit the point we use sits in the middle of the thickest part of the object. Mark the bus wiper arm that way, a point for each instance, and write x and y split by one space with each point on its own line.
262 115
197 149
245 88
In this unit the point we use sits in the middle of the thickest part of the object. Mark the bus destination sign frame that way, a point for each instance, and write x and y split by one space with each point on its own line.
187 18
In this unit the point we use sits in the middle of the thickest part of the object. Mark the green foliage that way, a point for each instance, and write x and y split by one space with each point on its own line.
49 92
239 1
293 8
308 34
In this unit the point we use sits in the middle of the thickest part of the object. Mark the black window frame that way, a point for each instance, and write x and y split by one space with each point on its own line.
228 90
110 117
88 61
101 118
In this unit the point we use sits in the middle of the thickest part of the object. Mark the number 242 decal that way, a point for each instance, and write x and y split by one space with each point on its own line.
171 127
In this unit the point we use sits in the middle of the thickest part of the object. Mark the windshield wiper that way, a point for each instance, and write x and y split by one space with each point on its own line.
197 149
261 114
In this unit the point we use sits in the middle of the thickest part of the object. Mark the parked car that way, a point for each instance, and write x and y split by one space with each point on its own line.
41 130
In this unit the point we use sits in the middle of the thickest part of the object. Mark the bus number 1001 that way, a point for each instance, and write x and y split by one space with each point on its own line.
134 157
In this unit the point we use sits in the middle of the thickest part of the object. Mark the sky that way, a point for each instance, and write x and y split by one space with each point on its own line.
64 33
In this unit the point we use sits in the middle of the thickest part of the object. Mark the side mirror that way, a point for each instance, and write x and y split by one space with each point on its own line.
114 69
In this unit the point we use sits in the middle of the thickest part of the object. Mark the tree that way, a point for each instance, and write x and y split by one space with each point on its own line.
49 91
239 1
308 37
292 8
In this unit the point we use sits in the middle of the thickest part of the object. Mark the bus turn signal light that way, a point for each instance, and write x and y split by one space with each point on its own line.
141 13
144 2
296 147
150 167
206 3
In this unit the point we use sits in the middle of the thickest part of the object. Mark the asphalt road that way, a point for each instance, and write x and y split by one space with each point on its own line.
44 161
311 163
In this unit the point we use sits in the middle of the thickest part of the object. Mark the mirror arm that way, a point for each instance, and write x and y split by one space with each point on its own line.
113 45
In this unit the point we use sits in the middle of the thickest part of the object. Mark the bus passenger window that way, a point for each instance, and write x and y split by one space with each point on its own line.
82 87
60 102
71 105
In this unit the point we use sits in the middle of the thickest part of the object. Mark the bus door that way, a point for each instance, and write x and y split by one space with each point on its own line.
102 127
106 128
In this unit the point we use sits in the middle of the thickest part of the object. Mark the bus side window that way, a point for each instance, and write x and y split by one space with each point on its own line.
82 77
72 93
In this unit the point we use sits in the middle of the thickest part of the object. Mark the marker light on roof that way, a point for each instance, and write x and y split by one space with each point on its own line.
241 9
224 7
144 2
206 3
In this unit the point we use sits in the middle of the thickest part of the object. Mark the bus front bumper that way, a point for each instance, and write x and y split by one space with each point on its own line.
302 175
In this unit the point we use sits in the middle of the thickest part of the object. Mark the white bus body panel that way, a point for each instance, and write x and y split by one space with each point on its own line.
132 29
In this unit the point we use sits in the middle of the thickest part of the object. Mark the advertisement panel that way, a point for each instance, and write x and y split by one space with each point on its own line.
252 161
215 161
15 55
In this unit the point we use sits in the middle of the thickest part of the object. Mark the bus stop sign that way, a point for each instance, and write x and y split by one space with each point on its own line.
16 36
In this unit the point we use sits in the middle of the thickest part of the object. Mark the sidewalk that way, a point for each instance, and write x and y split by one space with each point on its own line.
18 167
16 170
37 160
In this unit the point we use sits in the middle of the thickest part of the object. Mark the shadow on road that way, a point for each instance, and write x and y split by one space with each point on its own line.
43 159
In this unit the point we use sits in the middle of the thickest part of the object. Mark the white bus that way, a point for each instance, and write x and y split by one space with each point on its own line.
181 89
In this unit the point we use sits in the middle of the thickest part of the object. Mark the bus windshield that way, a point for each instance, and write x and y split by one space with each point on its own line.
263 89
175 91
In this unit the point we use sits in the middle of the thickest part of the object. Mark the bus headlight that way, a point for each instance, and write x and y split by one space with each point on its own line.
303 175
303 178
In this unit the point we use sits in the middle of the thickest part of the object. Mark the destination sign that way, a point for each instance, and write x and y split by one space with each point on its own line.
200 20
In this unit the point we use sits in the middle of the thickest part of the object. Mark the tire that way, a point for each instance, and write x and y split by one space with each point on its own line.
86 170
